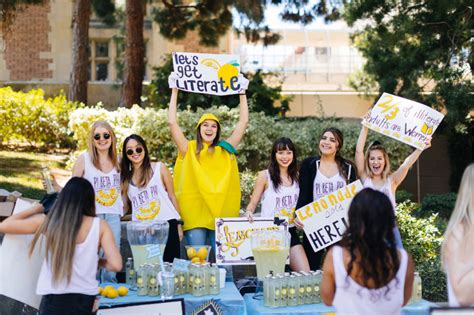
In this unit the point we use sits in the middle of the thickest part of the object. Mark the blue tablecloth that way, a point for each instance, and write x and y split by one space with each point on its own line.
257 307
229 300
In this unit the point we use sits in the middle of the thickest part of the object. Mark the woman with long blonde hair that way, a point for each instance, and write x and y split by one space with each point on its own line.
456 251
73 236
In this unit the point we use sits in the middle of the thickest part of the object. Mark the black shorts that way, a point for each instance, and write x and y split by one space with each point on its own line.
295 239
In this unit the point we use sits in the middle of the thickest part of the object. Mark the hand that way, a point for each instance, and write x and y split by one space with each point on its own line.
427 143
180 232
244 83
172 80
249 215
298 224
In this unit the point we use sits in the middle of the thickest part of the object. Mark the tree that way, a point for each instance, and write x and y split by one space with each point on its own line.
422 51
212 19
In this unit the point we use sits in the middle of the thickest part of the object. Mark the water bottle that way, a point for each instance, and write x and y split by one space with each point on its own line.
130 275
317 278
416 295
47 180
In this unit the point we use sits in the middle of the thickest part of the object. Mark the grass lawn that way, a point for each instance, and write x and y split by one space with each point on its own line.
21 171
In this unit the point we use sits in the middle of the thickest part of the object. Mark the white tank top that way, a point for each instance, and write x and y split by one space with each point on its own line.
280 203
152 201
84 269
106 187
386 189
352 298
323 185
453 301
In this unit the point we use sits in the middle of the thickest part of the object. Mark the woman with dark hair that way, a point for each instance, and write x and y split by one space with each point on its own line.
367 273
321 175
277 188
374 169
73 237
206 176
148 191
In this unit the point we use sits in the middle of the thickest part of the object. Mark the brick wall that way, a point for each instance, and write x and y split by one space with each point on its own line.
26 41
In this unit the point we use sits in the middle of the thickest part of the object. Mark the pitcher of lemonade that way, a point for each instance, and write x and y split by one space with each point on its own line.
147 240
270 250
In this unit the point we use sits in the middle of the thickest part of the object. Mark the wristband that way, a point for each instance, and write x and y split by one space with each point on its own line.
181 222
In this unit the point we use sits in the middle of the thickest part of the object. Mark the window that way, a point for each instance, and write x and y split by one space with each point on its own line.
99 60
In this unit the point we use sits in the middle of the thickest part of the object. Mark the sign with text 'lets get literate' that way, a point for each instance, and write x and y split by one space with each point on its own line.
216 74
402 119
325 219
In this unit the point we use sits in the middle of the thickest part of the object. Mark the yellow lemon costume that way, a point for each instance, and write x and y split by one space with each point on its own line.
207 186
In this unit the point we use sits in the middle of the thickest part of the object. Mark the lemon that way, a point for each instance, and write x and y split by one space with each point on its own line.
195 260
191 251
202 253
122 291
226 72
104 292
211 63
112 293
109 287
100 290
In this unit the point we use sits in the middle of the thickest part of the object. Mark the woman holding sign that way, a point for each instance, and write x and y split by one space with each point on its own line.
374 169
321 175
147 189
206 176
278 189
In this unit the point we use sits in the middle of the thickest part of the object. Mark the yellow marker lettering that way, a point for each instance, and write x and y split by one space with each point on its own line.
332 199
340 196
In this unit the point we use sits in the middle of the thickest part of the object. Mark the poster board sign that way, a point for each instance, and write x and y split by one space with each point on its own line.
215 74
171 307
404 120
18 271
233 239
325 220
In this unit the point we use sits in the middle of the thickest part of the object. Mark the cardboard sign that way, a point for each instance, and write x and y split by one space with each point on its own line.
404 120
18 271
207 73
233 239
325 220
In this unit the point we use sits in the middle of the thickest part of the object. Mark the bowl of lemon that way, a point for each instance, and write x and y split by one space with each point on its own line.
111 292
198 253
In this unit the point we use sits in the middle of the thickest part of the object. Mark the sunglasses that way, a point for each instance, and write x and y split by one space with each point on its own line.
105 135
137 150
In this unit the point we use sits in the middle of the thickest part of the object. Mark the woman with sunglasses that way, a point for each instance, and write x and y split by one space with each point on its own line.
206 176
100 166
147 190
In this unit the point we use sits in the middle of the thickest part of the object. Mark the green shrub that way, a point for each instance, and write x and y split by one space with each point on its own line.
422 239
403 196
29 117
439 203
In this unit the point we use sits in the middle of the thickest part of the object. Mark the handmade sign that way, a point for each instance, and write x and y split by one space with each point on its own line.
233 245
325 219
402 119
174 306
207 73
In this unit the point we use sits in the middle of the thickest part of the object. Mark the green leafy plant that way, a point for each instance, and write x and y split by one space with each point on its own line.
443 204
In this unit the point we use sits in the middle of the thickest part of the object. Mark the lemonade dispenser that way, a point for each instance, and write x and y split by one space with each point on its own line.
147 240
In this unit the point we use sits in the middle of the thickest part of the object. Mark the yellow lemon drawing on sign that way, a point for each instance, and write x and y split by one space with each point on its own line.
426 129
225 72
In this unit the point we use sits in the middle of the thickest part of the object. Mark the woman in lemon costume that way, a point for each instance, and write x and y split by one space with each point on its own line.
206 176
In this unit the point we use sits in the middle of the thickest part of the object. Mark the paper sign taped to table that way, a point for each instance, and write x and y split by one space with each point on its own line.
404 120
216 74
18 271
325 219
233 239
172 307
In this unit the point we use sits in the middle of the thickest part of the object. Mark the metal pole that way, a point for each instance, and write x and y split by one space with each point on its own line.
418 186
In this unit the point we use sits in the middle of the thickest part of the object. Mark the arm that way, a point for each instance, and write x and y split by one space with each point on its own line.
408 280
260 185
359 153
113 259
399 175
328 284
167 180
239 130
78 168
176 132
25 222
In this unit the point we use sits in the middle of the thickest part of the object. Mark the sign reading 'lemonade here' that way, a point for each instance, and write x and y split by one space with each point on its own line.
404 120
207 73
325 220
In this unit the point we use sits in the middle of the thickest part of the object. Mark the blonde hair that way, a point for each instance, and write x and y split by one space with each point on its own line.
463 213
386 169
92 150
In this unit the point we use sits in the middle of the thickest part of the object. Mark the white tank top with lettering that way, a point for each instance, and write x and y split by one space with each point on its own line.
280 203
84 268
386 189
324 185
106 186
152 201
352 298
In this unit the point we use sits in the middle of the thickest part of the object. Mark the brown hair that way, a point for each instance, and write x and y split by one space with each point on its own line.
340 142
92 150
199 142
377 146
